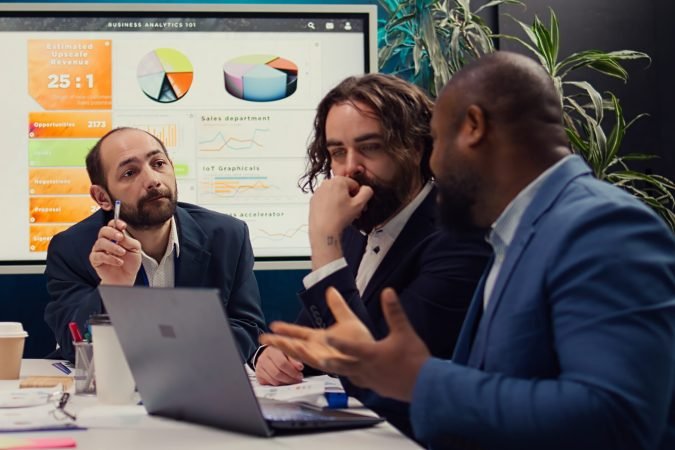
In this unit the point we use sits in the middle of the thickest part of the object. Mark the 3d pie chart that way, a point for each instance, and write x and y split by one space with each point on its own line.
260 78
165 75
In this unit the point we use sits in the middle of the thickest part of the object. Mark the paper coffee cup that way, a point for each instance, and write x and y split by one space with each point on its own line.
12 339
114 382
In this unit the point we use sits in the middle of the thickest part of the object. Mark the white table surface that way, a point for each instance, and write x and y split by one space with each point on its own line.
158 433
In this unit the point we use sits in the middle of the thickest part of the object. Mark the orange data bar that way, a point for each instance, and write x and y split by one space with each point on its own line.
60 209
41 235
91 124
223 187
59 181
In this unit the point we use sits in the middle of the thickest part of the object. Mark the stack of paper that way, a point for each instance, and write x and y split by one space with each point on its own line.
31 409
309 391
312 389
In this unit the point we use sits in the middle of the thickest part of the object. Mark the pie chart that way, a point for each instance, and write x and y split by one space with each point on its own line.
165 75
260 78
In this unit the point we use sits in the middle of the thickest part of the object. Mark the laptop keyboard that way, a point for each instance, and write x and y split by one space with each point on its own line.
283 416
297 416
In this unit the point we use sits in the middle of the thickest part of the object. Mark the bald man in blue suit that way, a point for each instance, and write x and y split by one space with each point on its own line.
154 242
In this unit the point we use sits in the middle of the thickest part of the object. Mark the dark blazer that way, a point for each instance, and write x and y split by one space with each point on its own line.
215 251
434 273
576 349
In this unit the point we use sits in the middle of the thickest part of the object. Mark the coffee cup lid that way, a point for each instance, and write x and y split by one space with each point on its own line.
12 330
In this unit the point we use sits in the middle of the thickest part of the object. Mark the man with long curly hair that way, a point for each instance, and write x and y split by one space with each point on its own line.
372 224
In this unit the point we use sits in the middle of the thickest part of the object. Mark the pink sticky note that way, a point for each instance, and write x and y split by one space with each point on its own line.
45 443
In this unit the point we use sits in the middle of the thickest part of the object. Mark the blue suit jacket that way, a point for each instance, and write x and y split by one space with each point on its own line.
576 349
215 251
434 273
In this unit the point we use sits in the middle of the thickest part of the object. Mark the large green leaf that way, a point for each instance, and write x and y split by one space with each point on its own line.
555 36
593 95
390 5
401 20
544 45
617 133
604 62
638 157
498 3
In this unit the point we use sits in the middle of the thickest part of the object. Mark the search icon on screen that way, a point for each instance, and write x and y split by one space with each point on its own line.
311 25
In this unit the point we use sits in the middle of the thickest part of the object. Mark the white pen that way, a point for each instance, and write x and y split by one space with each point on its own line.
116 215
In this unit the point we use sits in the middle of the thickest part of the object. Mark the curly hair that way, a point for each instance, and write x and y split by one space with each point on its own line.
403 109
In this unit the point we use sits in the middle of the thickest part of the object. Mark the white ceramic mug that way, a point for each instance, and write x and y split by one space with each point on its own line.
114 382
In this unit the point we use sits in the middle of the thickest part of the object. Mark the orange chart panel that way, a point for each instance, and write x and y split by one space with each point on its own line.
60 209
90 124
58 181
70 73
40 235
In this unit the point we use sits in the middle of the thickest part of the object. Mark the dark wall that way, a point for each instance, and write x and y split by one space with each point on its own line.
23 299
643 25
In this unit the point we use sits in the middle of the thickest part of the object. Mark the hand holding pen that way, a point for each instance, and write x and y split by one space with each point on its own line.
116 256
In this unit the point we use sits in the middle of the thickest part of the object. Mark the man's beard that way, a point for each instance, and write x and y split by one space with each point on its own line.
386 200
456 197
150 212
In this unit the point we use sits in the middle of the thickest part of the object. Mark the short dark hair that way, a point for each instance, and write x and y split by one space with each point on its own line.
403 109
93 160
515 91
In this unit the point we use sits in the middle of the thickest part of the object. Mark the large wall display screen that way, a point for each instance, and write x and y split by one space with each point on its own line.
230 89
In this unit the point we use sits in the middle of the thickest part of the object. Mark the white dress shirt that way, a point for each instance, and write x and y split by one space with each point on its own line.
162 273
504 228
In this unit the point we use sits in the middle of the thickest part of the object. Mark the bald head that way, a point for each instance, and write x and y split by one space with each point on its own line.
515 93
94 161
497 126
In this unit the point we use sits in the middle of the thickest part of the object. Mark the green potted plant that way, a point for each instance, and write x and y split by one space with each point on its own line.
584 115
426 42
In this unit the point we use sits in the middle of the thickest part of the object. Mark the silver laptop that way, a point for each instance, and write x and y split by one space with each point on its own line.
185 360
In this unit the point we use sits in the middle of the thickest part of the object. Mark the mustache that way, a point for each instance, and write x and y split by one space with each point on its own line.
154 195
385 201
363 180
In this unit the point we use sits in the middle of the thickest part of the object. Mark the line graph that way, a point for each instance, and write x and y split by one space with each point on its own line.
276 229
220 142
249 181
290 233
253 133
233 186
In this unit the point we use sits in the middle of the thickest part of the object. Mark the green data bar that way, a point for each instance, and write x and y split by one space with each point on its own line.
181 170
58 153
